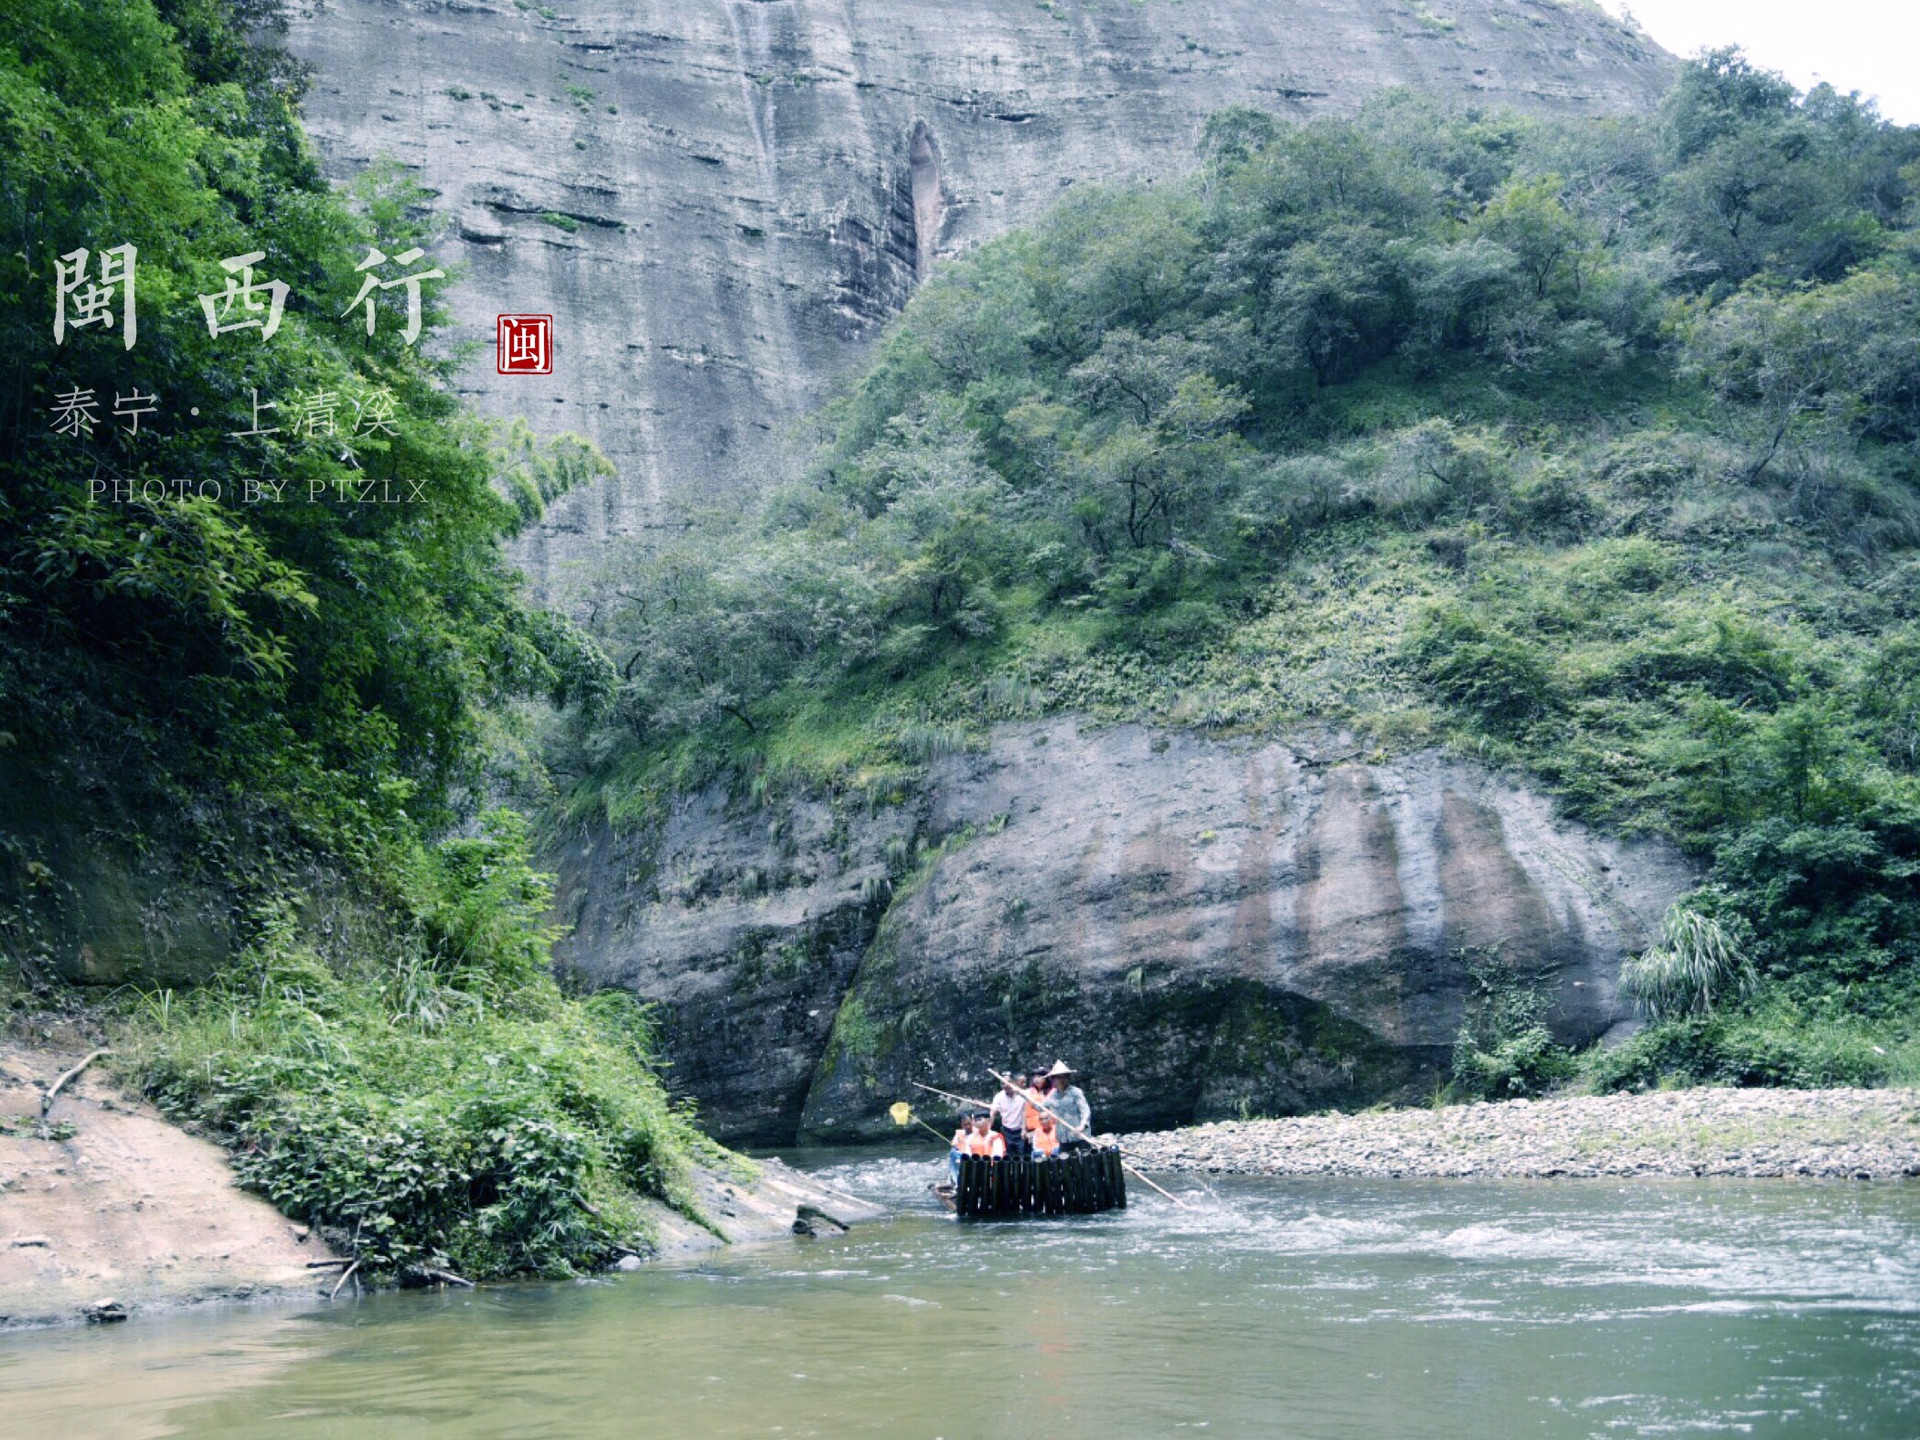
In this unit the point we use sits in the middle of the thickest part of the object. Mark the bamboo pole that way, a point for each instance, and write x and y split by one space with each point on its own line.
1082 1135
949 1095
903 1116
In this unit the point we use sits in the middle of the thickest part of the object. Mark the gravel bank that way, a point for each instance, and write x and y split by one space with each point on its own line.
1836 1134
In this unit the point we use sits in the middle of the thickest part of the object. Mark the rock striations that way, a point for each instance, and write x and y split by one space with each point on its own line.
719 200
1213 928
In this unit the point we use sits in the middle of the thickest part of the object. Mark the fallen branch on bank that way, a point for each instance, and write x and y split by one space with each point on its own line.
345 1276
46 1100
424 1272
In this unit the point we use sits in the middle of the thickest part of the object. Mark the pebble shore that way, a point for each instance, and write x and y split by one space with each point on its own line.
1829 1134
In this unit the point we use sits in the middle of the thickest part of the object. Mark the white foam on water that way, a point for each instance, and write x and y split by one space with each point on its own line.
893 1180
1637 1248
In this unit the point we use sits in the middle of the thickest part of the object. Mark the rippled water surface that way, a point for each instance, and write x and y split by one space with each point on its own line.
1325 1310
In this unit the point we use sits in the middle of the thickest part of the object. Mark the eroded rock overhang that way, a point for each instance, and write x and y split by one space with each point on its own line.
1211 927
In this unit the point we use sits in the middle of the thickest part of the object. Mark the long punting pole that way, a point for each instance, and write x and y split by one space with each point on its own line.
949 1095
943 1139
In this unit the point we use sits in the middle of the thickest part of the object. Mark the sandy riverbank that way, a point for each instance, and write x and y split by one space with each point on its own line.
1835 1134
114 1205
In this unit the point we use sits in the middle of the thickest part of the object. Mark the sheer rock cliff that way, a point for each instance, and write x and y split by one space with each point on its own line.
718 201
1210 927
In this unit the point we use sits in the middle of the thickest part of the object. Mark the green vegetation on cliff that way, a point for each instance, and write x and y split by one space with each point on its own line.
288 700
1589 447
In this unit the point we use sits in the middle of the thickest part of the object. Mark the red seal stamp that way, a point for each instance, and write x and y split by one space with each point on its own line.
525 344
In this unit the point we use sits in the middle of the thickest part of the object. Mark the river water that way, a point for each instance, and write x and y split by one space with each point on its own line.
1326 1309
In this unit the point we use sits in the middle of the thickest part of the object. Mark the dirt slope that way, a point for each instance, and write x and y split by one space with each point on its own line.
128 1207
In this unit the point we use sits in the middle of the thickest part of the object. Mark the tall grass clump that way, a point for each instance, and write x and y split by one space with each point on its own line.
1695 963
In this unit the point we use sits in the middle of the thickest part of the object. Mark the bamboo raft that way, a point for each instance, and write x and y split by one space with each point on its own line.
1079 1182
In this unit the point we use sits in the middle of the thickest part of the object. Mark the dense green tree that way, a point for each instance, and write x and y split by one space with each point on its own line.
1763 179
280 661
316 614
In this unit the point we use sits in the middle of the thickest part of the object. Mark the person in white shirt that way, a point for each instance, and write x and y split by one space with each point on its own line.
1010 1109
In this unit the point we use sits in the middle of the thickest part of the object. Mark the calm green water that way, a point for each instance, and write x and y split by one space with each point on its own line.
1324 1310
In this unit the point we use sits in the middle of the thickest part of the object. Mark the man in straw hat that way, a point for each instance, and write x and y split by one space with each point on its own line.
1067 1103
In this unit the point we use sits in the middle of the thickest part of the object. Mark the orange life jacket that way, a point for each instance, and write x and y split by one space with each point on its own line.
1044 1141
991 1144
961 1137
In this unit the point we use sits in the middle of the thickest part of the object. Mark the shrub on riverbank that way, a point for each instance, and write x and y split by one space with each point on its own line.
1504 1050
1775 1046
427 1094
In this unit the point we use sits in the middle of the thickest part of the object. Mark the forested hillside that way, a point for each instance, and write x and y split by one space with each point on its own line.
1584 447
286 702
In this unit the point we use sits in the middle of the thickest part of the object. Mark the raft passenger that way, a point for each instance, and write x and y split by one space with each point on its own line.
959 1146
1068 1104
1045 1139
984 1141
1009 1113
1036 1094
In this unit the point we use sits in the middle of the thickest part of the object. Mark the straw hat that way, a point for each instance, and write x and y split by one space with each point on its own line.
1060 1067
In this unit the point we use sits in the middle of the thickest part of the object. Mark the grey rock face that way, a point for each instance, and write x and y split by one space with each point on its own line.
719 200
1207 927
748 927
88 904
